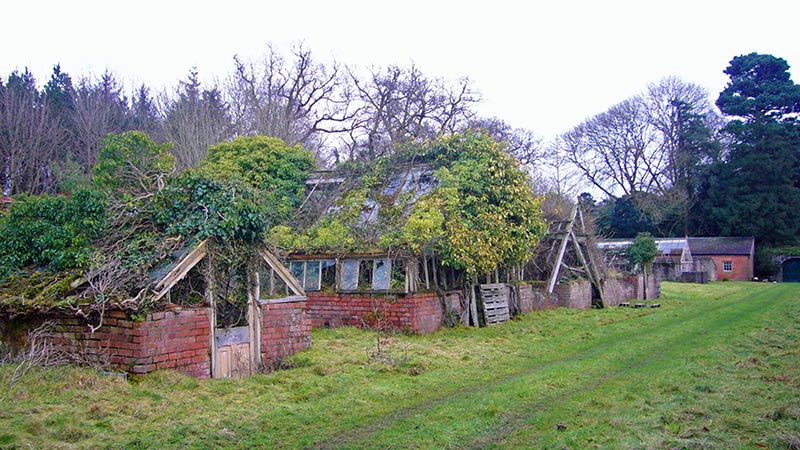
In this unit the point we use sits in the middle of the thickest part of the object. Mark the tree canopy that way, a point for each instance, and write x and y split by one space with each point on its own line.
756 190
643 251
760 87
481 214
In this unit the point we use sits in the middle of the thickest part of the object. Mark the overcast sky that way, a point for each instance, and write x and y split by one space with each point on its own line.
544 66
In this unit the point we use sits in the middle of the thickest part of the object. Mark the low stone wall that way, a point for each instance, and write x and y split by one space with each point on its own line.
417 312
630 287
285 329
578 294
637 282
574 294
535 297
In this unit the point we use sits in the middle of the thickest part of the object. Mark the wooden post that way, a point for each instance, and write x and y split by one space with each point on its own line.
425 267
253 294
644 286
271 282
435 266
473 304
212 304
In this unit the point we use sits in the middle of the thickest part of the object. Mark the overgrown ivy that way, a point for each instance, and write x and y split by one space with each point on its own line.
238 192
481 214
138 214
51 232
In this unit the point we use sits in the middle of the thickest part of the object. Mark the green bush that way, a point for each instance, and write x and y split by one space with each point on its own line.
54 232
238 192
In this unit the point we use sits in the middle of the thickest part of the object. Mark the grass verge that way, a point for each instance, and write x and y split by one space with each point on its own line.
717 366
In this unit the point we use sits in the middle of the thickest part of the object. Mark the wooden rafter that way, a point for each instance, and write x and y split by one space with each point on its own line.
181 269
282 272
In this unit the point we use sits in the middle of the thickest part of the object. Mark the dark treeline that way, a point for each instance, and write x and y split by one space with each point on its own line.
50 135
671 161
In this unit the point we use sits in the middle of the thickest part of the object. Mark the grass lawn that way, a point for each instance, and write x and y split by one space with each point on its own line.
717 366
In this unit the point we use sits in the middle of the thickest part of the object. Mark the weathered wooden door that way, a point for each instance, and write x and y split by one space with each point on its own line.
235 332
233 352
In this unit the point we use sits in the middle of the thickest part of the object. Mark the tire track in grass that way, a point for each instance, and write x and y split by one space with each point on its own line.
666 351
365 435
638 359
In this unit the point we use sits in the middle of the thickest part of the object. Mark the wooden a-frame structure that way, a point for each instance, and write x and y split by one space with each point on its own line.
560 235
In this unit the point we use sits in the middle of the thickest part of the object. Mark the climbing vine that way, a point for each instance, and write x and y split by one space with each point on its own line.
103 244
480 214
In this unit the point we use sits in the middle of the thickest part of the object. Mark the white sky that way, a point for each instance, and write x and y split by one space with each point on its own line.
544 66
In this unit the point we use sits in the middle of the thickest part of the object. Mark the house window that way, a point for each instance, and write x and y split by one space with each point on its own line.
368 274
313 274
727 266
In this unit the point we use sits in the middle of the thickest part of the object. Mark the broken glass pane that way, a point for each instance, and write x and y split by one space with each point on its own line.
380 277
365 274
398 282
297 268
328 278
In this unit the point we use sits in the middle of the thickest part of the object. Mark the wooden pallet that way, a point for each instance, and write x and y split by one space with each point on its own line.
495 303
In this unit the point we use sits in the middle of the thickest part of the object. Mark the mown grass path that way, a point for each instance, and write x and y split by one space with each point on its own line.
661 351
717 366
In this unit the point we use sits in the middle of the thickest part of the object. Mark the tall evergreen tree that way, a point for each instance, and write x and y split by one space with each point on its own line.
757 190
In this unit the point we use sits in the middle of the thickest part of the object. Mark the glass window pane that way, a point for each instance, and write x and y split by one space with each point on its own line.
380 277
297 268
311 282
350 274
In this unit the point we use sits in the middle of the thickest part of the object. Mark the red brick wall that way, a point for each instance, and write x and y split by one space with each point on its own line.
534 297
285 329
637 283
574 294
742 268
617 290
176 339
417 312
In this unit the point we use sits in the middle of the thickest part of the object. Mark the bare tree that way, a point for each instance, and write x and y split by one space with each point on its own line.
194 119
401 105
523 144
557 172
671 104
651 148
618 151
299 100
686 121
